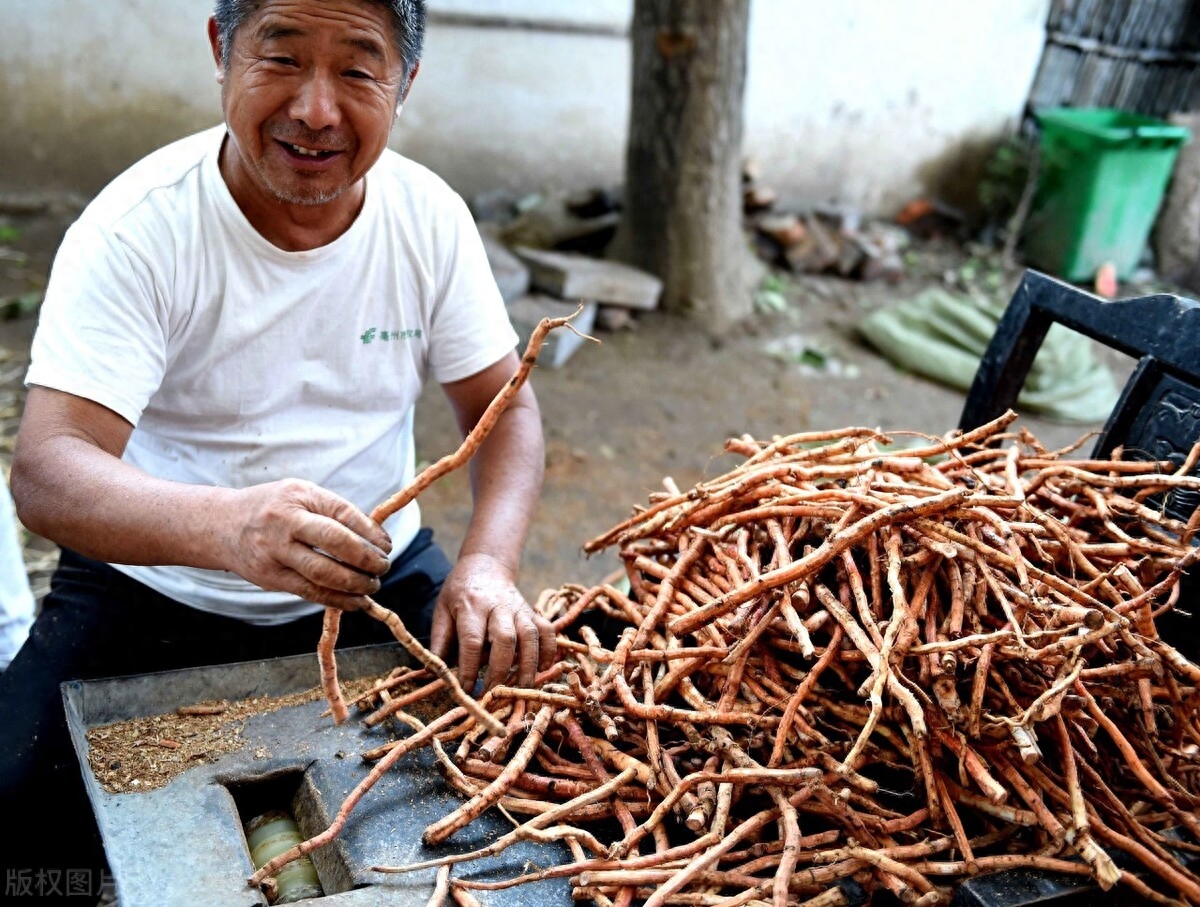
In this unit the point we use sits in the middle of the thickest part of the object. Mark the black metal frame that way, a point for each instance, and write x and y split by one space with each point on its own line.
1158 413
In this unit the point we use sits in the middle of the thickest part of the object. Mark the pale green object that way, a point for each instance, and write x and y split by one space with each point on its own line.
942 336
272 834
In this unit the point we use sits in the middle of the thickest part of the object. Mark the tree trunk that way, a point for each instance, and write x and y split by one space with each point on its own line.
682 218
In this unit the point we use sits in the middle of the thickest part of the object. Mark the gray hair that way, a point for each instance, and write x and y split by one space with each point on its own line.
408 21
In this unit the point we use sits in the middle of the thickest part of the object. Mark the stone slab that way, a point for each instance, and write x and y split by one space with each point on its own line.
512 276
571 275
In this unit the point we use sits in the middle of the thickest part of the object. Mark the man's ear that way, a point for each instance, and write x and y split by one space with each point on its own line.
214 41
412 76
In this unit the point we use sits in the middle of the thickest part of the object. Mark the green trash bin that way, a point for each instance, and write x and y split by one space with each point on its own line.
1101 178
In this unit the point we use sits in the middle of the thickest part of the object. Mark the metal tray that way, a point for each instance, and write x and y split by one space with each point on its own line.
184 843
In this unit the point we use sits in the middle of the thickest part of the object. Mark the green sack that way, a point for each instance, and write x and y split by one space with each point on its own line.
943 336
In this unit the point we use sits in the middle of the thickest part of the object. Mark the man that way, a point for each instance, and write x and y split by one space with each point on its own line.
221 388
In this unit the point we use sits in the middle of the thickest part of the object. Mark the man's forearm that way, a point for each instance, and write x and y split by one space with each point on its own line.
506 480
480 603
286 536
81 497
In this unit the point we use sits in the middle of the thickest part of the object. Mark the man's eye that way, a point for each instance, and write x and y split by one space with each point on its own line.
282 61
357 74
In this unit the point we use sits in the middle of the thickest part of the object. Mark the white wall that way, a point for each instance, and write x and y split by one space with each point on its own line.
870 101
863 102
90 85
519 107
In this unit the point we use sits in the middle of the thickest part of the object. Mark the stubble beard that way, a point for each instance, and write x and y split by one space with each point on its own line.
293 195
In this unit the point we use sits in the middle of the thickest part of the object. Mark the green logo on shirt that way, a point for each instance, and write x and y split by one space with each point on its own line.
371 334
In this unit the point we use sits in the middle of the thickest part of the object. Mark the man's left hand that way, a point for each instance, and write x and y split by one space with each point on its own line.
481 606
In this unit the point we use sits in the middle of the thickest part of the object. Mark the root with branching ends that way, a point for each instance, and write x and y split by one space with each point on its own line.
839 662
377 771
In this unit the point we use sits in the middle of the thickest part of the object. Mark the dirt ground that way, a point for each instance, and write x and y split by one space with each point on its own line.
660 401
646 403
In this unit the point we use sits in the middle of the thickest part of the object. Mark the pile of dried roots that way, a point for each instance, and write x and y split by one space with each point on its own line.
842 660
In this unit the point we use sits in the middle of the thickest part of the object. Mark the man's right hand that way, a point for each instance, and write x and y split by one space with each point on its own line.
72 487
294 536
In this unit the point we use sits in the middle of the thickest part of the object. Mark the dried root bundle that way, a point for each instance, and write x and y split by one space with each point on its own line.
842 661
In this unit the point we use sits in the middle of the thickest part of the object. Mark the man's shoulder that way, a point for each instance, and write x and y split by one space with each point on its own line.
161 177
403 178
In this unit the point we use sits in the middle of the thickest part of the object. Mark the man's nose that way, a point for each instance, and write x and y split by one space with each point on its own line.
316 103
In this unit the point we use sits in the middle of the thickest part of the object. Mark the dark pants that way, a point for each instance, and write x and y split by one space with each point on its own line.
96 622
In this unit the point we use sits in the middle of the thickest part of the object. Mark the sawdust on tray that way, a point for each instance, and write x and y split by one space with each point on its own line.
143 754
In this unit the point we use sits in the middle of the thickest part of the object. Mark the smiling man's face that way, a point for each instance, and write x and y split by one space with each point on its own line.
310 91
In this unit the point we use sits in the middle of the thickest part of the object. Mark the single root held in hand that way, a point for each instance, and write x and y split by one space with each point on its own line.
325 647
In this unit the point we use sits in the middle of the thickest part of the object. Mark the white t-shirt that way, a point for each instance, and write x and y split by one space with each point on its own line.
239 363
